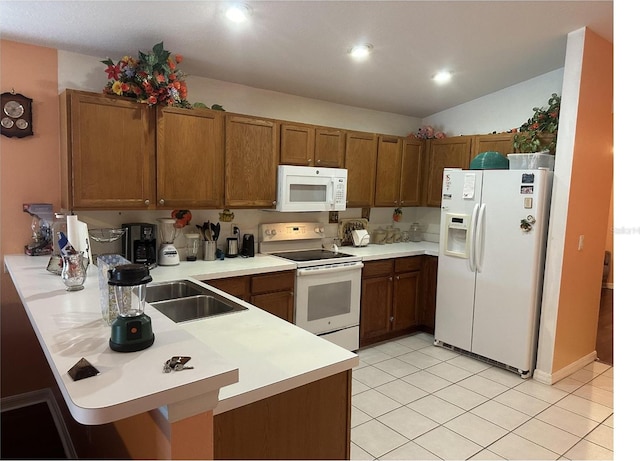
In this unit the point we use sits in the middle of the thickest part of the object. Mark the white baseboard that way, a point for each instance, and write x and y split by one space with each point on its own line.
552 378
14 402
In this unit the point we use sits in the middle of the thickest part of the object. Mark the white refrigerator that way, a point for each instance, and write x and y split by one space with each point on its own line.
493 234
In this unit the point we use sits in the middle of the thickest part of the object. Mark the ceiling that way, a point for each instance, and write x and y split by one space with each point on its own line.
300 47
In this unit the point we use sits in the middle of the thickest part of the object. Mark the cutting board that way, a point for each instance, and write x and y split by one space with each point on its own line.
348 225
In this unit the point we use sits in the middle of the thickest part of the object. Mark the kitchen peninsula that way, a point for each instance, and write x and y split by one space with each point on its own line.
261 387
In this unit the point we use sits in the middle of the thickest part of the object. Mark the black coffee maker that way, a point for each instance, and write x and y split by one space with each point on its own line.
248 246
139 244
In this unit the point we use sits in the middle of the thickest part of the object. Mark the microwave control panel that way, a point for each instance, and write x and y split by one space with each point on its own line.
341 186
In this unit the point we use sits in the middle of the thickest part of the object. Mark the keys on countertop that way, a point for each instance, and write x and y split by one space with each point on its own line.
176 363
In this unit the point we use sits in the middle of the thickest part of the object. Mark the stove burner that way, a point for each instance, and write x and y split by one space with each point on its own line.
311 255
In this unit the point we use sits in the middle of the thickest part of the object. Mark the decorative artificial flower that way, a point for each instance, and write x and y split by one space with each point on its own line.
153 78
540 131
428 132
117 87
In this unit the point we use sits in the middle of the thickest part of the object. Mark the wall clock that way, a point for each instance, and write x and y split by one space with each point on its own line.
15 115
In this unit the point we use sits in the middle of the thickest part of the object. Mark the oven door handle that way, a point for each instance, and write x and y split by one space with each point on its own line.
324 270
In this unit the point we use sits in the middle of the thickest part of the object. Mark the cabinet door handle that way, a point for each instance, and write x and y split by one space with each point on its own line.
147 202
397 277
391 319
161 201
309 161
390 278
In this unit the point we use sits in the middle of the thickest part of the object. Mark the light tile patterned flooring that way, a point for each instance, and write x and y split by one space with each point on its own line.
413 400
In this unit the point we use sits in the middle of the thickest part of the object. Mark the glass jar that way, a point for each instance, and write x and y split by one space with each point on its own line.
415 232
390 236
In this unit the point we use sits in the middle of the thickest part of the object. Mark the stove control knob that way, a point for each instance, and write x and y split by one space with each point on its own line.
319 230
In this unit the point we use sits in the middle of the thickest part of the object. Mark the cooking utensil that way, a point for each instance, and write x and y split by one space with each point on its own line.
216 231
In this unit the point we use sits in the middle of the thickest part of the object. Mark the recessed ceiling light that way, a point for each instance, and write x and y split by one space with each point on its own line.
361 51
239 12
443 76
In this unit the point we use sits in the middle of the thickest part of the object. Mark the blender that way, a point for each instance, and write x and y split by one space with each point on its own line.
131 330
168 254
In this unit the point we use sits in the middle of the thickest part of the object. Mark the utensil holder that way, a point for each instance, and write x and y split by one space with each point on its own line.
209 250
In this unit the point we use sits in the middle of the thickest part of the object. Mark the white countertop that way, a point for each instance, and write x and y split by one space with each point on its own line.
392 250
248 355
262 354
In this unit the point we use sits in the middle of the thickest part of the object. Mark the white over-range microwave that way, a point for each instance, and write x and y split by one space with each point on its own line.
305 188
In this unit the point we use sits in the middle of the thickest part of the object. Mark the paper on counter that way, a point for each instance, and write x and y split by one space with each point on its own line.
78 235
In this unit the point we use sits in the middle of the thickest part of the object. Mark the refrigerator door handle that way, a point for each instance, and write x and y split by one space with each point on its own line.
479 238
471 261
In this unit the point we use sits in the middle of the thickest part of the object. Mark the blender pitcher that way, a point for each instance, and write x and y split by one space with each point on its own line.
168 254
132 329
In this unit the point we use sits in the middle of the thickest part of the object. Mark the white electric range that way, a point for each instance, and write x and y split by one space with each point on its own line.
327 291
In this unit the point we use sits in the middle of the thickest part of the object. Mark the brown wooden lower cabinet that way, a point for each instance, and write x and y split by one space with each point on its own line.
398 296
309 422
390 298
272 292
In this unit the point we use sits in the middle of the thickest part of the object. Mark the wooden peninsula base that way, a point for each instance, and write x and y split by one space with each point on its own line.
309 422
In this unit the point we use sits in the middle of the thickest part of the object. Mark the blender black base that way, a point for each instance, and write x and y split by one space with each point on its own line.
132 346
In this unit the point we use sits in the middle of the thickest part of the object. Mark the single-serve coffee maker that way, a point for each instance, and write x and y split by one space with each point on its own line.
139 244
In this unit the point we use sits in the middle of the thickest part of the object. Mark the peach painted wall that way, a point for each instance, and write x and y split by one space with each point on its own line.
609 244
29 172
588 207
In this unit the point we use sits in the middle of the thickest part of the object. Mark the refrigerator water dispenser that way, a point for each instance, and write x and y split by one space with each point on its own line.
457 235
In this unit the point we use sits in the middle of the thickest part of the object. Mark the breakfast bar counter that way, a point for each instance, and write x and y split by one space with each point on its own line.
240 359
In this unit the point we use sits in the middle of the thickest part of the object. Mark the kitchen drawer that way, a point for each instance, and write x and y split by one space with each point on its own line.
377 268
235 286
277 281
408 264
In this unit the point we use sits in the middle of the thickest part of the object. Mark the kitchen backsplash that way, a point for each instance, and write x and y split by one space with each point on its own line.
249 220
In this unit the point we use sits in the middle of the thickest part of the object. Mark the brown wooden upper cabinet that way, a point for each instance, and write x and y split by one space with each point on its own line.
190 158
251 160
398 171
360 161
502 143
413 157
308 145
107 152
121 154
445 153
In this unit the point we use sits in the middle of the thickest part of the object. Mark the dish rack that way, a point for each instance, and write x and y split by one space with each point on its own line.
346 226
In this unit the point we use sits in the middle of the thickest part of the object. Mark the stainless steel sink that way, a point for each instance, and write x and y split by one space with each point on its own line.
173 290
183 300
196 307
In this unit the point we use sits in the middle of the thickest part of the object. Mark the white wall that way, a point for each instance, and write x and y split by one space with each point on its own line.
500 111
82 72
